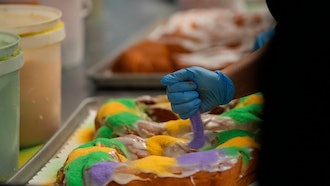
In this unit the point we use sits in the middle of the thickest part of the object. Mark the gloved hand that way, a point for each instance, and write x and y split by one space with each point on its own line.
263 38
196 88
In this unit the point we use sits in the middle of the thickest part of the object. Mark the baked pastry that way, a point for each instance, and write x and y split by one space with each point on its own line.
147 56
212 38
134 145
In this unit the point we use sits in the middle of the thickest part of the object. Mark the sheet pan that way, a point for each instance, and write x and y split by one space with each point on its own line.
55 144
41 169
103 77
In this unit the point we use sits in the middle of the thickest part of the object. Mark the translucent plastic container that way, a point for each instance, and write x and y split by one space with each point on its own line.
42 31
73 46
11 61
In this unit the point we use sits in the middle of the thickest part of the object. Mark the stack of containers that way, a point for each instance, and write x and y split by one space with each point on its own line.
41 31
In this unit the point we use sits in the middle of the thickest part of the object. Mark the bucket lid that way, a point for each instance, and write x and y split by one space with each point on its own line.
12 64
8 44
28 19
37 25
44 38
11 57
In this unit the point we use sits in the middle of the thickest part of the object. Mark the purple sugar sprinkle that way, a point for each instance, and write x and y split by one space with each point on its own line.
198 130
101 172
204 158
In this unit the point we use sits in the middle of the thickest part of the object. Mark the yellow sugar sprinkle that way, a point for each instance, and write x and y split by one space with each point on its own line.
176 127
240 142
85 151
86 135
164 104
252 99
155 164
156 144
113 108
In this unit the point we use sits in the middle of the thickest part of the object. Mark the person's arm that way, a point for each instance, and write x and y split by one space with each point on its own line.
195 88
243 73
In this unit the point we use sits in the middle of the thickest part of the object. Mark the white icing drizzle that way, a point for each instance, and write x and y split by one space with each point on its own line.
217 37
192 180
125 173
135 145
149 128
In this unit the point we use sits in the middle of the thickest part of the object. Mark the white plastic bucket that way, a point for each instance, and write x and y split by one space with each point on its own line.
42 31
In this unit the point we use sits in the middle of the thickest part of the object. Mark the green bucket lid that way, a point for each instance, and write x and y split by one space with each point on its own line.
8 44
11 56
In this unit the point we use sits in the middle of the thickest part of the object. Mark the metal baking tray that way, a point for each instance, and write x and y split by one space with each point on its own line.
102 76
52 147
38 163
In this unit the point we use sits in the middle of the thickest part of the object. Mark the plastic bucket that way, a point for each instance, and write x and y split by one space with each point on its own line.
11 61
42 31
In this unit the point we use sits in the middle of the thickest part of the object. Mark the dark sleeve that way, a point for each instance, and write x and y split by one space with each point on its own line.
295 80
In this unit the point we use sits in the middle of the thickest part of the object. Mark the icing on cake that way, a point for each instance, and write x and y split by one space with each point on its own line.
130 148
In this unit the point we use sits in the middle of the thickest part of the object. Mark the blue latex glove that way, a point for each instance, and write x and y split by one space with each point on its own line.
196 88
263 38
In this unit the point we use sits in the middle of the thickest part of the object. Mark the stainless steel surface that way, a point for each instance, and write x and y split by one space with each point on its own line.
109 25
